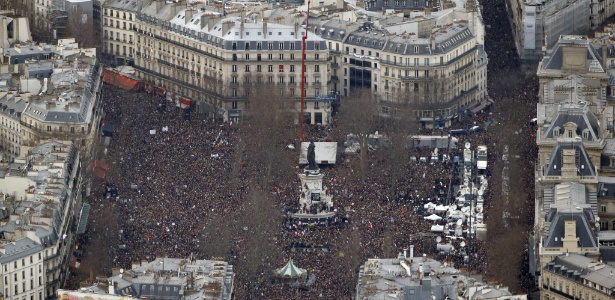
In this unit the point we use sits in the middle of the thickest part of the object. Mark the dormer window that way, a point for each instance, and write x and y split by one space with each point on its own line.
556 132
585 134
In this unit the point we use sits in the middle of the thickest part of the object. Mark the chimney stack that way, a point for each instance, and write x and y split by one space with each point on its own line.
241 28
569 166
226 26
296 28
159 5
189 14
265 29
411 251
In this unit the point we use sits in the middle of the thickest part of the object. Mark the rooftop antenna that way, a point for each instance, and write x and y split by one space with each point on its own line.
303 44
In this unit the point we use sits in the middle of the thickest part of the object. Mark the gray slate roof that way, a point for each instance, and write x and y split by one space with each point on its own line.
585 166
579 114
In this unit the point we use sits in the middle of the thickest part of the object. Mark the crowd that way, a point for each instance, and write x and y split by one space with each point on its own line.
185 182
177 181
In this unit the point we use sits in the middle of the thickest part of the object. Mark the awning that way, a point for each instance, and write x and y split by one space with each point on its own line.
120 81
480 107
84 215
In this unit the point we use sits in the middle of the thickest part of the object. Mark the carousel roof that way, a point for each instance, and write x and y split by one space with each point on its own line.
290 270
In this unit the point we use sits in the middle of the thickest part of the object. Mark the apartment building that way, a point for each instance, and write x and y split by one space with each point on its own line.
118 19
163 278
22 270
434 63
216 61
377 5
42 192
576 160
415 277
573 276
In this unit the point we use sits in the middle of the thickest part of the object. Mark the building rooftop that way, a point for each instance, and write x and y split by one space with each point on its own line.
201 278
583 164
571 202
553 59
585 270
41 182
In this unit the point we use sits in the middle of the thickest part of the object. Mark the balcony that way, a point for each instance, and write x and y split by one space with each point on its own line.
464 67
335 79
335 65
410 77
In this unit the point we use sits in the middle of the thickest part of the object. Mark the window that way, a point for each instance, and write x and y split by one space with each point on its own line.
317 56
258 68
270 56
292 46
556 132
247 68
603 208
48 130
270 44
270 68
247 57
316 68
292 68
281 68
281 46
316 46
234 68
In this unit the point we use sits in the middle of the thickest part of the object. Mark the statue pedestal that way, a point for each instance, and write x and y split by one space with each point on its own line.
315 202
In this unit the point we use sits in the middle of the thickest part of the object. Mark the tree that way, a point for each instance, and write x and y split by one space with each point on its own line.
80 25
267 130
359 116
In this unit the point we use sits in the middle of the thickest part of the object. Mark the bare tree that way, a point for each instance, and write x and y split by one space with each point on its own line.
359 116
267 132
80 25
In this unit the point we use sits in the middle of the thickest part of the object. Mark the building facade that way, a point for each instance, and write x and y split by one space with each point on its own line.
434 64
118 19
573 276
216 61
538 24
45 189
22 270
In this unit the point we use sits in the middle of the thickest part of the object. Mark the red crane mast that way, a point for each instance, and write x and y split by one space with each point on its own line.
303 46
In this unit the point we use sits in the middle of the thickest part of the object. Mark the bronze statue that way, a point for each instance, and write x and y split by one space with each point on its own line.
311 157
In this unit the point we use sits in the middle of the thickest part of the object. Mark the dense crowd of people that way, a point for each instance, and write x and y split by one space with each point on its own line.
186 181
177 180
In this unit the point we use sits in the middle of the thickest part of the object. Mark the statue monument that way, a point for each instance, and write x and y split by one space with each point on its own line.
315 200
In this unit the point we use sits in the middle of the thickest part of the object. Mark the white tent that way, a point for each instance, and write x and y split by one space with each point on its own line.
433 217
437 228
441 208
429 206
290 271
